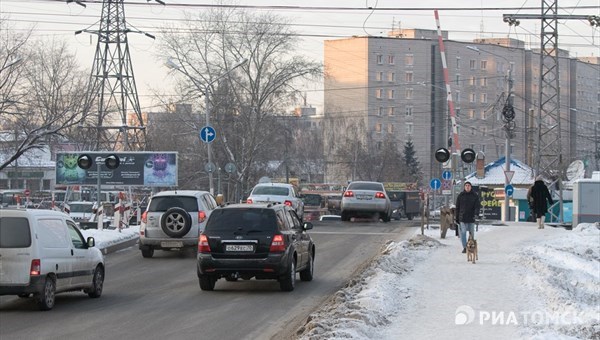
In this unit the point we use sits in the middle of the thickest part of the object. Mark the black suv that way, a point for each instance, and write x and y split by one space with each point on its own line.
265 241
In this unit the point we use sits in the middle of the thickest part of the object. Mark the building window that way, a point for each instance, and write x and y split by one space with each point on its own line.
408 77
378 145
379 76
483 148
472 81
391 76
472 131
379 93
391 59
483 64
472 64
483 81
391 110
409 128
482 114
473 98
483 133
484 97
379 59
457 96
391 94
409 93
409 60
457 79
378 127
471 114
458 63
409 111
380 113
390 128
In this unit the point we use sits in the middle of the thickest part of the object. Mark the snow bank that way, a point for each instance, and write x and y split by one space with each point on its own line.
108 237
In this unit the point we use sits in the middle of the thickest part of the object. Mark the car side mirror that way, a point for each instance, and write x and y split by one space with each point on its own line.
307 226
91 242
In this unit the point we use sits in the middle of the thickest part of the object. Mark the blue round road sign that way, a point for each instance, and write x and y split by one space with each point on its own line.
447 175
207 134
509 189
435 184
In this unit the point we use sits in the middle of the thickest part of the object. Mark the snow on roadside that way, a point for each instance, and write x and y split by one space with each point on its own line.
371 300
108 237
565 271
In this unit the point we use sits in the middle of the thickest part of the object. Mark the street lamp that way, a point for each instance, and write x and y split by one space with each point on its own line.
204 90
508 114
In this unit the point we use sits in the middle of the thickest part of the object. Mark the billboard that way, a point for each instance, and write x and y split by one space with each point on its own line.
158 169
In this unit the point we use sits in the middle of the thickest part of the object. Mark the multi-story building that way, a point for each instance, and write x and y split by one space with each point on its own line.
395 85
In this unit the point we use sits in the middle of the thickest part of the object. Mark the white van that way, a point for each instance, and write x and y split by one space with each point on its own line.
42 252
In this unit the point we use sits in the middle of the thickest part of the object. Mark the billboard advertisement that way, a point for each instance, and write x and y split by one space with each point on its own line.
158 169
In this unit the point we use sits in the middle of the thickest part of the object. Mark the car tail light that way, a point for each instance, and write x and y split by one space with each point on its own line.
201 216
203 246
380 195
145 217
36 267
278 244
348 193
249 201
288 203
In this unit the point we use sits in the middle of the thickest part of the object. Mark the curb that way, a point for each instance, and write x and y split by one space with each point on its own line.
119 246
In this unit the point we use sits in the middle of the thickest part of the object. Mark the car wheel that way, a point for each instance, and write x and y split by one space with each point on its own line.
46 297
345 216
307 273
207 282
409 216
97 283
176 222
288 282
147 252
385 218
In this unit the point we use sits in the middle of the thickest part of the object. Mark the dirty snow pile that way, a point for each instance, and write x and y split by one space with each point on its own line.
368 303
108 237
565 272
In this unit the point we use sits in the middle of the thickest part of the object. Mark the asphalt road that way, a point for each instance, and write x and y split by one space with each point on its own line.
160 297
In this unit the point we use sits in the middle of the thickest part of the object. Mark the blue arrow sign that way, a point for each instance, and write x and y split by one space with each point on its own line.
207 134
435 184
509 189
447 175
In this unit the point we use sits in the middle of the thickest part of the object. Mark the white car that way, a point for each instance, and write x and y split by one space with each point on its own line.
277 193
42 252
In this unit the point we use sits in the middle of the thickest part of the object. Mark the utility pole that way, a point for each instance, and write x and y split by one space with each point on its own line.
548 158
112 81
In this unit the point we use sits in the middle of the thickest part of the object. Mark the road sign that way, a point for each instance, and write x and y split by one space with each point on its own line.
509 175
447 175
210 167
230 167
27 192
207 134
509 189
435 184
446 187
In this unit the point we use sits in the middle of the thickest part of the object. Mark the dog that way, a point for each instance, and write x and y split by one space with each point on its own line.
472 249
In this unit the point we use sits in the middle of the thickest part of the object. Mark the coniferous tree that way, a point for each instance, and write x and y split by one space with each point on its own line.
412 163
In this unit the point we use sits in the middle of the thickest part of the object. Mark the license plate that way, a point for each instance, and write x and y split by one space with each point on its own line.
171 244
239 247
363 197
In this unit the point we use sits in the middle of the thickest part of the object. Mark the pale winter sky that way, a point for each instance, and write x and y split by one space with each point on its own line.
526 284
465 20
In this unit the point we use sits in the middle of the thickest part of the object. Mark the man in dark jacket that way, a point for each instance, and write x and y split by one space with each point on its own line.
467 208
540 197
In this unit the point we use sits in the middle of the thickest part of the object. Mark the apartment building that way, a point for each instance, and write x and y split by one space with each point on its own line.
395 85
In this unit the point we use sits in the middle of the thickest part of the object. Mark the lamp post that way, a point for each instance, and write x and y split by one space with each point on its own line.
508 114
204 90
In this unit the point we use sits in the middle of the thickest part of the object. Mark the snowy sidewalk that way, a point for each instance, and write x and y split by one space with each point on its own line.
445 282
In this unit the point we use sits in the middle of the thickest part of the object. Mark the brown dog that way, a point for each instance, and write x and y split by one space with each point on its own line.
472 249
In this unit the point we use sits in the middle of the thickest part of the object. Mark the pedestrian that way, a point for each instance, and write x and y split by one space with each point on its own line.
467 208
541 198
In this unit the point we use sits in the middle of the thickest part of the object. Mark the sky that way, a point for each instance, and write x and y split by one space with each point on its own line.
526 284
464 19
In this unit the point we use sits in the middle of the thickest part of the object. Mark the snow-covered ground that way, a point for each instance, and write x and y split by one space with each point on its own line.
528 283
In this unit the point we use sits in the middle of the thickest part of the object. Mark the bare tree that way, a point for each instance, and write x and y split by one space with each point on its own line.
208 46
46 101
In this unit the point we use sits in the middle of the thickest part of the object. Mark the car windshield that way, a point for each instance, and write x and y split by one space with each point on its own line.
81 208
242 220
277 191
394 195
164 203
365 186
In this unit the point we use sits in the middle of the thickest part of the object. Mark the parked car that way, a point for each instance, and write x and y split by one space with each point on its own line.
42 252
174 220
363 199
278 193
330 218
264 241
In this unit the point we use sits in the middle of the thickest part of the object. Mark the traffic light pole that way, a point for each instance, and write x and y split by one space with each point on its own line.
99 212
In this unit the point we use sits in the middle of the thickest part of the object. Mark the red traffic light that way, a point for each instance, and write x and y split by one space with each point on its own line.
442 155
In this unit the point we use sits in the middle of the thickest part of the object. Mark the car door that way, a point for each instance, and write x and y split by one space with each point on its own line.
55 250
296 228
80 257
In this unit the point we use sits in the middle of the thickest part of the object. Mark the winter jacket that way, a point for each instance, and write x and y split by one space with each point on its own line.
541 198
467 207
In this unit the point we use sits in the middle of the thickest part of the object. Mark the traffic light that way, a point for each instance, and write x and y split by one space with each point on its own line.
468 155
111 161
442 155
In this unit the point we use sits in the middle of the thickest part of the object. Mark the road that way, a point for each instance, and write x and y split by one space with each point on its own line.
160 297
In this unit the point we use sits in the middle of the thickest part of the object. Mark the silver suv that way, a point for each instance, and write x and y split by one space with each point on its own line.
174 220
